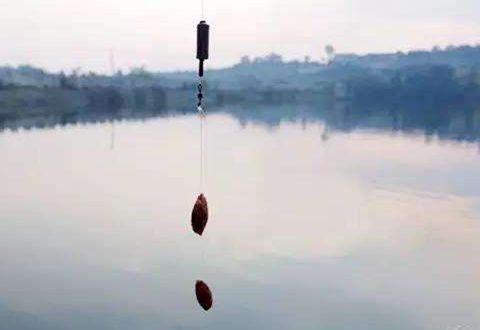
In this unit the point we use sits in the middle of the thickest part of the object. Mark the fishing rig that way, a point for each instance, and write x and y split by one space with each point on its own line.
200 209
203 34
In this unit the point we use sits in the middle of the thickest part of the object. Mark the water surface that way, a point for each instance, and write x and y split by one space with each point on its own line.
311 228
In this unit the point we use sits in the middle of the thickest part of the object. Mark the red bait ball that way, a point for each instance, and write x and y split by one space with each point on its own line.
204 295
200 215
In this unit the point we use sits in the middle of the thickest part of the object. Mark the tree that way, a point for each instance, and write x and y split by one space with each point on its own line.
63 81
330 51
274 58
140 72
245 59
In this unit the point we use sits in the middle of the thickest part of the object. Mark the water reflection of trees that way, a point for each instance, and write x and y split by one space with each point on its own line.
459 122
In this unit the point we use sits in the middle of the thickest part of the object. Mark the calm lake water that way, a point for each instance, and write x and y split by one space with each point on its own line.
310 228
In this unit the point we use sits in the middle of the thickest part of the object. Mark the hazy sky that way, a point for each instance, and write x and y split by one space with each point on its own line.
64 34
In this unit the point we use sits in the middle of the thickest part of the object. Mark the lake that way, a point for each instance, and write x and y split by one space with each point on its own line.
311 227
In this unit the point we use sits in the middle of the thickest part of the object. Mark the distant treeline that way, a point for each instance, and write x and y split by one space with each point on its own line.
262 73
427 85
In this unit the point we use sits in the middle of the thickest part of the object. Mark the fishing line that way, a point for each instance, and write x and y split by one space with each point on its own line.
202 115
205 138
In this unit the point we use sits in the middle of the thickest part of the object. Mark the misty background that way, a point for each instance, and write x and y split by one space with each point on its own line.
64 35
